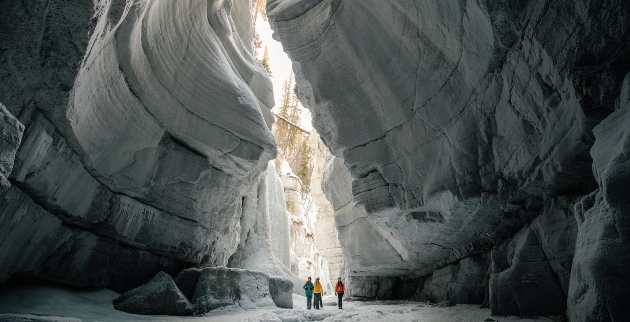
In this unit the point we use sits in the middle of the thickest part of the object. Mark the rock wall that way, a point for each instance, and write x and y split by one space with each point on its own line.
599 288
326 235
11 130
265 238
306 260
456 124
146 124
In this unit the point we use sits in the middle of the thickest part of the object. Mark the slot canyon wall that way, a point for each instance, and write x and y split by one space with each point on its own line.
479 147
132 135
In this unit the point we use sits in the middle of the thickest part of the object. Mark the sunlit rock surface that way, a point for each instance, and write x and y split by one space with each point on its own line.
458 122
305 259
264 236
326 235
146 122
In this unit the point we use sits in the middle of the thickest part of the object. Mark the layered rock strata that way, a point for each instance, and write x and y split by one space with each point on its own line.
146 123
455 123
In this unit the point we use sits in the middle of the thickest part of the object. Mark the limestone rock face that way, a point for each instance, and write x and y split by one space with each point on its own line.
146 122
523 282
264 237
306 260
456 122
327 237
11 130
159 296
34 240
463 282
556 230
598 289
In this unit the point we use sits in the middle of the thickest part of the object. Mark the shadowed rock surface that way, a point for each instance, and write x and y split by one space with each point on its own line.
35 318
453 124
11 130
159 296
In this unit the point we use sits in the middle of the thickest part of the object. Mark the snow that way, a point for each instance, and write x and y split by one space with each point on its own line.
95 305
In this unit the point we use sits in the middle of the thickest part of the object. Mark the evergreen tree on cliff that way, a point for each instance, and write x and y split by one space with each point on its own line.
291 139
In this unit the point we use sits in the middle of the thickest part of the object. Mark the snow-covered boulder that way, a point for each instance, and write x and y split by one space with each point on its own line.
219 286
281 289
159 296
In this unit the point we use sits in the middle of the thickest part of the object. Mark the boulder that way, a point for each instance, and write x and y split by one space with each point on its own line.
220 286
187 280
159 296
281 289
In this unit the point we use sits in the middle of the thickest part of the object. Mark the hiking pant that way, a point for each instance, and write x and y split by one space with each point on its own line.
318 299
308 301
340 296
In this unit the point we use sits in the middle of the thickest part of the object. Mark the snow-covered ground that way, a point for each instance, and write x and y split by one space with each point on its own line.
95 305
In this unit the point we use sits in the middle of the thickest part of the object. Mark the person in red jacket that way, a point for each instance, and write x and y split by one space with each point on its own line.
339 288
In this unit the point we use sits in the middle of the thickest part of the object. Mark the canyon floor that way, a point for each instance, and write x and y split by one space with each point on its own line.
55 303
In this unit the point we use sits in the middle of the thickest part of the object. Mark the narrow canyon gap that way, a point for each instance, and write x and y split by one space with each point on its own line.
471 151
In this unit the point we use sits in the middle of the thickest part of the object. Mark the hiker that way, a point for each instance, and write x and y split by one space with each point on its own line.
308 288
339 288
318 291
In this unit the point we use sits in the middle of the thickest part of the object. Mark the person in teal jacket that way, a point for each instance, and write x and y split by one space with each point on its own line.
308 288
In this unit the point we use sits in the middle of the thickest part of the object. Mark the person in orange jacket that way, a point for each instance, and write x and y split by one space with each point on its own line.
318 291
339 288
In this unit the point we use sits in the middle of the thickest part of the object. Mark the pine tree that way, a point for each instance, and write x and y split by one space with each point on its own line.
257 44
260 7
265 61
291 139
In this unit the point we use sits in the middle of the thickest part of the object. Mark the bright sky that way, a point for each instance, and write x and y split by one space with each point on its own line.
280 65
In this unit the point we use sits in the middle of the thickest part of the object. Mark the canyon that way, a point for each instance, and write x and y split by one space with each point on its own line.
469 152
